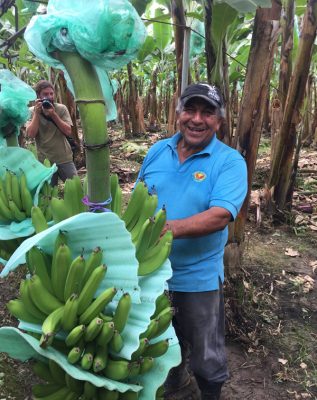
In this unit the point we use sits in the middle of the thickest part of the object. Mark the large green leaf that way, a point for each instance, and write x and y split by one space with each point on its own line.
146 49
162 32
244 6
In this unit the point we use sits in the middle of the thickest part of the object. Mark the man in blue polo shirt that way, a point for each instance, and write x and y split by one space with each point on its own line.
202 183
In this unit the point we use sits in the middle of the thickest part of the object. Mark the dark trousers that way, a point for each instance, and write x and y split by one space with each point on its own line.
199 326
64 171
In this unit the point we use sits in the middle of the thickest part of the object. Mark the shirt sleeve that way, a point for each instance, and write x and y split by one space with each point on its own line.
65 116
231 186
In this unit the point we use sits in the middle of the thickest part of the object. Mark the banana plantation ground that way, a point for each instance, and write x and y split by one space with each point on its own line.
271 299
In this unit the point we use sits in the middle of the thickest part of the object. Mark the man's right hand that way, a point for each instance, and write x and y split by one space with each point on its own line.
38 106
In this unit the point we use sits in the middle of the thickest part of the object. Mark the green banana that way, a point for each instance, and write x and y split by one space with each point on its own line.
151 330
88 357
106 333
105 394
159 223
75 335
70 196
164 319
88 291
17 213
57 372
106 317
39 263
25 296
74 277
150 265
59 210
42 370
51 326
7 183
146 364
69 318
61 262
79 194
41 390
147 211
3 195
5 212
116 194
93 261
135 204
75 385
100 359
161 303
116 369
26 196
90 390
143 241
38 219
97 305
144 343
156 349
15 188
93 329
160 392
41 297
116 342
134 369
19 311
62 393
74 354
121 313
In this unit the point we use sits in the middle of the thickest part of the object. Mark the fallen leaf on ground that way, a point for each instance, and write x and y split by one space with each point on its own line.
292 253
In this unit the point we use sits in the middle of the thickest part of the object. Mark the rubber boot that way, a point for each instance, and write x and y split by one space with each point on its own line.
209 390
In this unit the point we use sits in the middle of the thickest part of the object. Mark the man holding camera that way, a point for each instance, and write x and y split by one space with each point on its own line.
50 125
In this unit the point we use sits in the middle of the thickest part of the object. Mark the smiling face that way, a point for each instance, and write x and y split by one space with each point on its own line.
198 122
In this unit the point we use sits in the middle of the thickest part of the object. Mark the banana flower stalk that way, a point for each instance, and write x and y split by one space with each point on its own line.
86 42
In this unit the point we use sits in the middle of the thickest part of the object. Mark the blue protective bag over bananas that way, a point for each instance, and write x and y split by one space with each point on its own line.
16 160
85 231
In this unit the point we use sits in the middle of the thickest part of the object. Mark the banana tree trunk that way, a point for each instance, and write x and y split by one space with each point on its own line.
132 101
179 21
10 134
92 110
287 25
281 168
255 93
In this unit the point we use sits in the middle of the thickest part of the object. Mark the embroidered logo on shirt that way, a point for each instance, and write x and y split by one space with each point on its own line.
199 176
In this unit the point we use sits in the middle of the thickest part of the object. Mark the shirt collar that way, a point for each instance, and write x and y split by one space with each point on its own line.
207 150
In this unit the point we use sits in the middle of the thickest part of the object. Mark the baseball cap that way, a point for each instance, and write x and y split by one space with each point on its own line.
206 91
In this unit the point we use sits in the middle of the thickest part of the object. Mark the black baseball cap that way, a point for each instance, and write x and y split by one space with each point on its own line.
206 91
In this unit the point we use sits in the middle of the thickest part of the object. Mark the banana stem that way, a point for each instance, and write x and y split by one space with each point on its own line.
10 133
92 110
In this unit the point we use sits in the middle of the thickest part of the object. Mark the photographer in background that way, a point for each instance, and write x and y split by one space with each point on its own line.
50 125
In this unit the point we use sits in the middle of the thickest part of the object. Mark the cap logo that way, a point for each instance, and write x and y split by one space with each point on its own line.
199 176
213 94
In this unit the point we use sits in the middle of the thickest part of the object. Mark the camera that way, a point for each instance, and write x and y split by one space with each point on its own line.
46 103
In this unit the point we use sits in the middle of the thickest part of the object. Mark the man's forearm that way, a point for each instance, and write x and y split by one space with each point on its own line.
32 128
209 221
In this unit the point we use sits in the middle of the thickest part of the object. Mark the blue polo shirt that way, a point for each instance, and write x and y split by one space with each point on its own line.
215 176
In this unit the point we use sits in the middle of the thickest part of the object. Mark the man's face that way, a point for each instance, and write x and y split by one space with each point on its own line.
47 93
198 122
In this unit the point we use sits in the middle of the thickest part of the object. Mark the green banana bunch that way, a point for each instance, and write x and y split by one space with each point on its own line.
116 194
